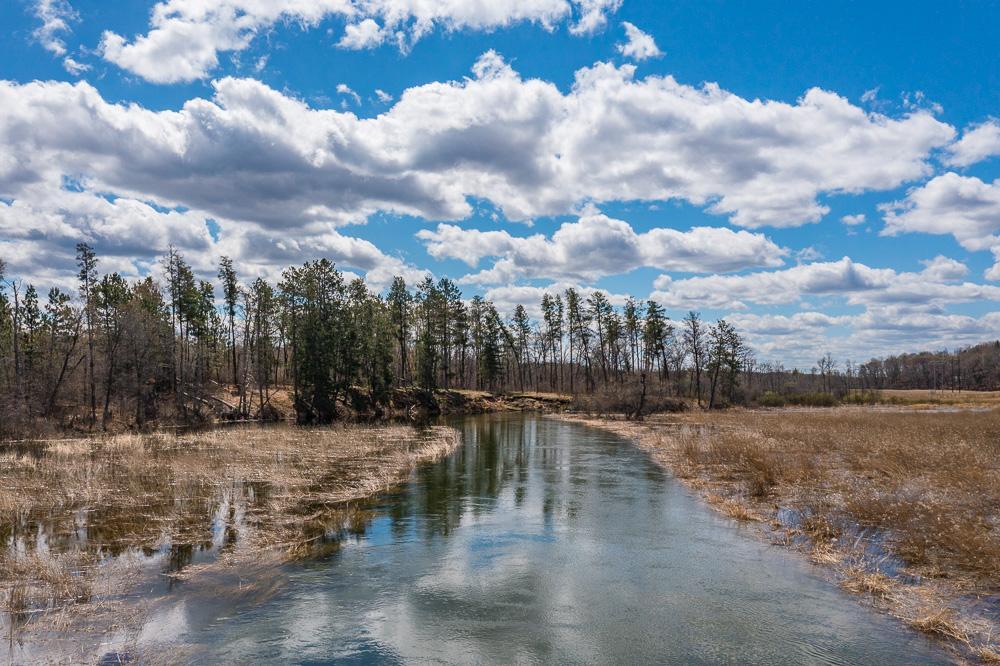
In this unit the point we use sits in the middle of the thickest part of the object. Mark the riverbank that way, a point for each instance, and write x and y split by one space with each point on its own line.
222 406
901 505
84 523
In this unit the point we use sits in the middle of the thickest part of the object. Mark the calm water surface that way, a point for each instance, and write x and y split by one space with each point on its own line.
537 541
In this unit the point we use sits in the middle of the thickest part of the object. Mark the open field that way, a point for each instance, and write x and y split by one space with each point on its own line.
180 504
904 505
927 398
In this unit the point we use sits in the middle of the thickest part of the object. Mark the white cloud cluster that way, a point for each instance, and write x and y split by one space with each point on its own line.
638 45
596 246
253 153
900 311
801 338
508 297
978 143
187 36
964 207
131 235
938 285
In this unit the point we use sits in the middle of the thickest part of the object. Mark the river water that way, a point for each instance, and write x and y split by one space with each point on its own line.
538 541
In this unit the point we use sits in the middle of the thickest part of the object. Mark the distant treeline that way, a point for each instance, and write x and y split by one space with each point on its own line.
975 368
172 349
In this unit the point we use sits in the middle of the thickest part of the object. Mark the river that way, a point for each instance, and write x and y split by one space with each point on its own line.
538 540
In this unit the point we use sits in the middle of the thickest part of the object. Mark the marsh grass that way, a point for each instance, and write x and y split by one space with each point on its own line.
903 504
77 517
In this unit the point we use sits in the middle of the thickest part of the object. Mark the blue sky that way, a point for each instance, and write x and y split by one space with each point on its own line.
703 154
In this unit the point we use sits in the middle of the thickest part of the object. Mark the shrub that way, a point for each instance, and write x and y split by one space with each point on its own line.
625 400
771 399
813 400
862 398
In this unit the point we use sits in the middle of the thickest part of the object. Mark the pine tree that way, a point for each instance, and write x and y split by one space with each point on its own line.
521 330
230 297
86 261
110 297
399 302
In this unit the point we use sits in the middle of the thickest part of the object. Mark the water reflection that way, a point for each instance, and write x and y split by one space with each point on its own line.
536 541
543 541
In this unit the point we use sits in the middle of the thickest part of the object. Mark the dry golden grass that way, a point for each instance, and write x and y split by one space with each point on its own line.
924 485
930 398
280 492
859 580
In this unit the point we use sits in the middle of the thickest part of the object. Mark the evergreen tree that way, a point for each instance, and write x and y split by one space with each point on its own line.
86 261
428 297
230 297
399 302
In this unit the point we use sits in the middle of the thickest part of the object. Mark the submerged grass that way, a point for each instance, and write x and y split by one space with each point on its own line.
905 504
243 494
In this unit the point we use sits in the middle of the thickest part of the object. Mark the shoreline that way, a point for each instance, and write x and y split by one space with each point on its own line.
960 609
406 405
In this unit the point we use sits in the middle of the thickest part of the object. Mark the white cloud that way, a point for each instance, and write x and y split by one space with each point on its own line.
383 96
131 235
808 253
978 143
639 46
857 284
593 15
508 297
73 67
870 95
944 268
596 246
853 220
254 153
365 34
344 89
964 207
56 16
186 36
801 338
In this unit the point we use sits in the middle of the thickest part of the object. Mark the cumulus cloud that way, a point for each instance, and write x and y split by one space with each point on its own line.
944 268
639 45
365 34
936 286
186 36
978 143
853 220
962 206
597 246
251 152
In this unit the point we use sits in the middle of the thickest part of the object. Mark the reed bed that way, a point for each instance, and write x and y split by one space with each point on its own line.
904 505
77 517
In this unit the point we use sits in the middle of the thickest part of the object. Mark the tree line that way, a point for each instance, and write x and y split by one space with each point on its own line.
172 347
